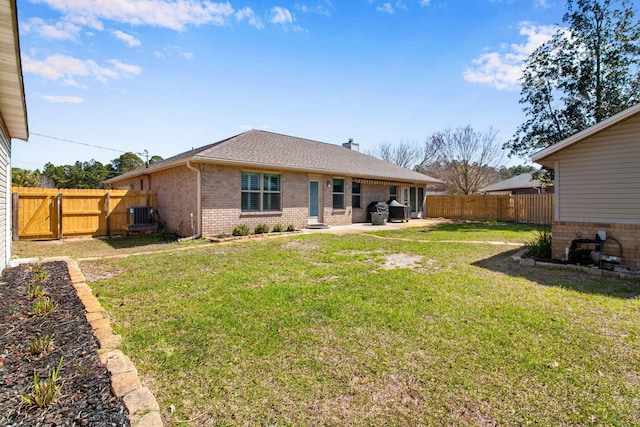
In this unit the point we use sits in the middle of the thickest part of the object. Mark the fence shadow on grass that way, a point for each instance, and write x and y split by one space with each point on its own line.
576 280
128 242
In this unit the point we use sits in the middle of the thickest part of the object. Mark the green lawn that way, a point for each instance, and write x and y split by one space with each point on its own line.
357 330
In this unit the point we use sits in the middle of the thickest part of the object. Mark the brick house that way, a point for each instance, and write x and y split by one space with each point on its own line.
263 177
13 115
597 186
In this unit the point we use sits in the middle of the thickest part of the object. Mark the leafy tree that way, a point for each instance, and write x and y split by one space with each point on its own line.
583 75
125 163
510 172
406 154
79 175
465 159
155 159
25 177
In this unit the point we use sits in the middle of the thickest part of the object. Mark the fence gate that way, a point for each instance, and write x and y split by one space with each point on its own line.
49 213
37 214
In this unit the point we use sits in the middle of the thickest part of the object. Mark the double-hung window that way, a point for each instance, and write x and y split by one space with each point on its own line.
355 195
338 193
260 192
393 192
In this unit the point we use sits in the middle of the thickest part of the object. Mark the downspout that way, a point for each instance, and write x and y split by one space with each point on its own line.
198 204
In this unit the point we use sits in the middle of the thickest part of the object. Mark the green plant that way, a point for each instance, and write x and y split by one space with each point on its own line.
540 246
44 392
35 291
261 229
41 276
84 370
43 307
40 344
277 228
291 227
241 230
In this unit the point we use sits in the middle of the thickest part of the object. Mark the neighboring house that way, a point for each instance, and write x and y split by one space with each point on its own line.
597 186
13 115
262 177
519 184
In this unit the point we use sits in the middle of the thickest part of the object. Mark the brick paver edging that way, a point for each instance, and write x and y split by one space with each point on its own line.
139 401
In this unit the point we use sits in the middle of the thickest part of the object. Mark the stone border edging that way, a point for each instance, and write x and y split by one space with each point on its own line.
519 258
143 408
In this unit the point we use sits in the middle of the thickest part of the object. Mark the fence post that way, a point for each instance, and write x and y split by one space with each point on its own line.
60 236
107 208
15 198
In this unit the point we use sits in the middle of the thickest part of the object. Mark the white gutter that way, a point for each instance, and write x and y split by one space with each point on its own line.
198 204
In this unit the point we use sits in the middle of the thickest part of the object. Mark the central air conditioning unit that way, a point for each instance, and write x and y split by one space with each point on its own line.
140 215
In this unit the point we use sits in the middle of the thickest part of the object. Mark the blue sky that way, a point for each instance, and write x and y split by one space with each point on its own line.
168 75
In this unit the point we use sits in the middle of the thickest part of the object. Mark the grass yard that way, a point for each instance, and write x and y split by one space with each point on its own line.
84 247
357 330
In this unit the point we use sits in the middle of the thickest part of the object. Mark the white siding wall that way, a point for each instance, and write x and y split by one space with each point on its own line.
5 198
598 179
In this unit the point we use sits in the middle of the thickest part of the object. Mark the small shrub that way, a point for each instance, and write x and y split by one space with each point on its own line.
43 306
540 246
277 228
261 229
40 344
41 276
291 227
35 291
44 392
85 371
241 230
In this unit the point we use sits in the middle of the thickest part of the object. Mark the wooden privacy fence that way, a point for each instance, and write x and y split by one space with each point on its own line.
521 208
49 213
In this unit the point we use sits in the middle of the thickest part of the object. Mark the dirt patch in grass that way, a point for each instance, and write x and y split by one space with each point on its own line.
85 397
400 260
300 244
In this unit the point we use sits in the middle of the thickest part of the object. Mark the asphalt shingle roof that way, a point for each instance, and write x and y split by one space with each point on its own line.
271 150
524 180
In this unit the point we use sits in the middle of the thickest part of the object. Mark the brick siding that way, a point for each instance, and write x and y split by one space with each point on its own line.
221 199
628 236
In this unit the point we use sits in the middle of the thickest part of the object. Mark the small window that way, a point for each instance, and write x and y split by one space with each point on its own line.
355 195
338 193
393 192
260 192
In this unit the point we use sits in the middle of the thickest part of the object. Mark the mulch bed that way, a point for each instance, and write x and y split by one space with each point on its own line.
85 397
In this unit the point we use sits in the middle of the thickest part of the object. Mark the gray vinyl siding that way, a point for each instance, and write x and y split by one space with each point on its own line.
598 179
5 201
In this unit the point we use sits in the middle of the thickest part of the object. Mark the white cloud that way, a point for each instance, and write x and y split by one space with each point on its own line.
126 68
176 15
503 69
248 14
59 31
386 8
281 15
66 69
170 51
59 99
322 7
127 38
425 2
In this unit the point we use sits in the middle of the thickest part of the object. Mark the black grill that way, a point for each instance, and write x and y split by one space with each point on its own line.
399 211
